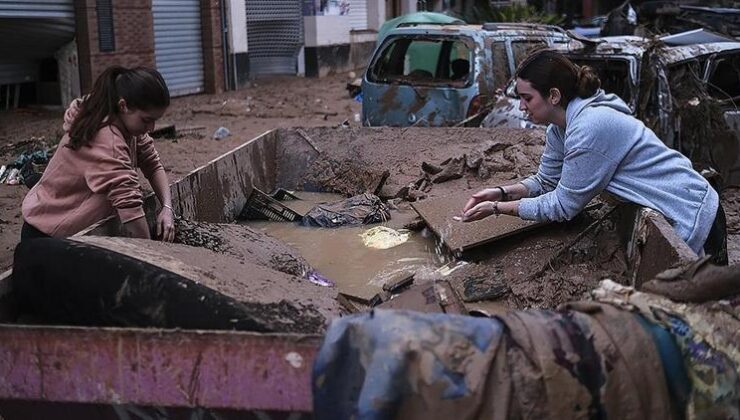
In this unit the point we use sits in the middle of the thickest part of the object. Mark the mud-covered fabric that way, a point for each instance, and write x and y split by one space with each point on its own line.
403 364
708 335
361 209
589 363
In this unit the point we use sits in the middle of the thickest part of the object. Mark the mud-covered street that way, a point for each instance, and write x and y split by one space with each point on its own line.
266 104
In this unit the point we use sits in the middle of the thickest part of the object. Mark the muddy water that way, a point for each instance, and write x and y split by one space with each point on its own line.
340 255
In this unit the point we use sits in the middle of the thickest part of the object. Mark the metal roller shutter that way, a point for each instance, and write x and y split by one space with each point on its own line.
274 35
37 8
178 46
358 14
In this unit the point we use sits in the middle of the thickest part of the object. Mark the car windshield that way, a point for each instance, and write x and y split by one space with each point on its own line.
424 61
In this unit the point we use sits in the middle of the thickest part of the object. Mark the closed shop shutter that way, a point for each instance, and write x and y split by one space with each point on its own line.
274 36
358 14
37 8
178 46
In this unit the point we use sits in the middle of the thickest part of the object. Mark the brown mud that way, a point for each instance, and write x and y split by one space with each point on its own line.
542 268
242 242
290 303
489 156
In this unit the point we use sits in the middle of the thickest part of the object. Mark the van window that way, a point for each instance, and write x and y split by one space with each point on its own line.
501 71
521 49
724 79
614 75
424 61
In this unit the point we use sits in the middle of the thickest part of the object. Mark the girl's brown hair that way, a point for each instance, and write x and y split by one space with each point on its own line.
546 69
142 88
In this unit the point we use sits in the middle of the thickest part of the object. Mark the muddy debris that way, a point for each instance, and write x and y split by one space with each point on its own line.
453 168
344 177
488 286
362 209
243 242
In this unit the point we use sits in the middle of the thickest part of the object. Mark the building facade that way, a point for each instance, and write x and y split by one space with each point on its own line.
52 51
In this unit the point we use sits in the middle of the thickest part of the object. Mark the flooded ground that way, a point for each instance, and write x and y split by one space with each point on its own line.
340 254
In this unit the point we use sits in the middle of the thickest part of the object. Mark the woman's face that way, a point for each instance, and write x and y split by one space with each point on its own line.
538 109
137 121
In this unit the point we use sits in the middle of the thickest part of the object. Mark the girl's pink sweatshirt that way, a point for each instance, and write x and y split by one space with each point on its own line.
81 187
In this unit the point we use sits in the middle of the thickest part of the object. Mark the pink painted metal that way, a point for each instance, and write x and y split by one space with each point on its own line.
215 369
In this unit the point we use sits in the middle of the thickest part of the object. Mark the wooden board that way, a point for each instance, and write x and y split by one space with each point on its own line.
461 236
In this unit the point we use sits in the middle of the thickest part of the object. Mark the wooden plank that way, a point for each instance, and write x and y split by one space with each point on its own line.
460 236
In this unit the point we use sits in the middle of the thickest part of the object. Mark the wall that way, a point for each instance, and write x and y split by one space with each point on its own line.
134 38
331 47
213 46
69 72
133 27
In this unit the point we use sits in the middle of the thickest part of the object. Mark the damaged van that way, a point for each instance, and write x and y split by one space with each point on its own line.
687 94
442 75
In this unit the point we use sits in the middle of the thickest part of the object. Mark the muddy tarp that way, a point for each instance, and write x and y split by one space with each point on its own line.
361 209
530 364
79 283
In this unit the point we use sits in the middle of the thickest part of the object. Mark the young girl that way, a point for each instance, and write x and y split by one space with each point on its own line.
593 144
93 174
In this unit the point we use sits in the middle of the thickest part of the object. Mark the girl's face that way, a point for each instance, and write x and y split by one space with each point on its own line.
538 109
137 121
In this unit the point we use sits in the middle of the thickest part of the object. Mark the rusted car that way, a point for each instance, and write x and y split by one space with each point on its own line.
687 94
441 75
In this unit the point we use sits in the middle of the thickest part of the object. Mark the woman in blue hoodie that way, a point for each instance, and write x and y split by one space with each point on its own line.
594 144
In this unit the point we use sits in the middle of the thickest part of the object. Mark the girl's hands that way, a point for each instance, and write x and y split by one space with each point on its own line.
166 224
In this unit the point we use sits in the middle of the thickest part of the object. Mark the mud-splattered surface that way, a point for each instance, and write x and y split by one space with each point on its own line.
524 272
293 303
468 157
461 236
731 205
243 243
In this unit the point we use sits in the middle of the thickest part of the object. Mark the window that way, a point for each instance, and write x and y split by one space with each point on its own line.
106 38
521 49
424 61
501 71
724 78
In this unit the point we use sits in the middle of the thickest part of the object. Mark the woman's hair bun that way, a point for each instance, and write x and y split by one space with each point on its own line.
588 82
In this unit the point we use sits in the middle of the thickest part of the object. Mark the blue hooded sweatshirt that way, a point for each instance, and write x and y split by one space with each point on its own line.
605 148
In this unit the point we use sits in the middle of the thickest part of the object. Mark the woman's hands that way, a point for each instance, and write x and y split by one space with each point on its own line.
493 201
488 194
166 224
481 211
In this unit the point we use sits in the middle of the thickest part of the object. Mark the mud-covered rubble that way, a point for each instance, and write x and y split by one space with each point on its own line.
420 163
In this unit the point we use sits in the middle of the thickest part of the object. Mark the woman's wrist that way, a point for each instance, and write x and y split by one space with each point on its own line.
503 192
